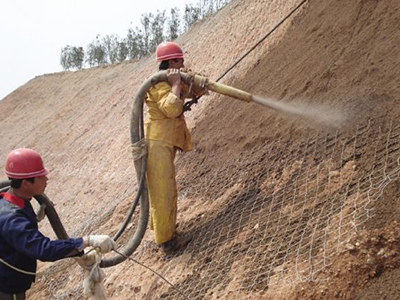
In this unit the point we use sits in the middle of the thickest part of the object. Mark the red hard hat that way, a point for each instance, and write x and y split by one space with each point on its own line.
24 163
168 50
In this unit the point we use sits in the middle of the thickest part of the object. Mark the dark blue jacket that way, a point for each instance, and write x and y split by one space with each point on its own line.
21 244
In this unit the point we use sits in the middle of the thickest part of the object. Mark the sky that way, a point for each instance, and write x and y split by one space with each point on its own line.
33 32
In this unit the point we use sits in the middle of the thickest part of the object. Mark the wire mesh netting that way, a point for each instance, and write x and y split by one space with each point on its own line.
286 210
275 214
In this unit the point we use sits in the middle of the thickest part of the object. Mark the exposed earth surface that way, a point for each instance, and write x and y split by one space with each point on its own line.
278 206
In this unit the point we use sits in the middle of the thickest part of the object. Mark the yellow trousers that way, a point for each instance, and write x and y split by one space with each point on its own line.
162 189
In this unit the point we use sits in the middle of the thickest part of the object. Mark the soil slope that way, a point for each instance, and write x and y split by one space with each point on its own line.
278 207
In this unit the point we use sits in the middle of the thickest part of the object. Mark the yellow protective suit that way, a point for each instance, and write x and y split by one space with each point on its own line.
165 132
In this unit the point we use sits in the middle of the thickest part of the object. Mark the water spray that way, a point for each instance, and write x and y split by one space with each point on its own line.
316 113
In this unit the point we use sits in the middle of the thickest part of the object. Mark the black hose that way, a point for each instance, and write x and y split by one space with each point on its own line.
136 135
133 206
138 194
50 211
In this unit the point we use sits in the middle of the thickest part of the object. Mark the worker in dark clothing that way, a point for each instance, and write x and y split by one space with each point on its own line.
21 243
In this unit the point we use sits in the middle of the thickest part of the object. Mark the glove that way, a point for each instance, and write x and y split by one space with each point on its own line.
88 260
104 242
199 89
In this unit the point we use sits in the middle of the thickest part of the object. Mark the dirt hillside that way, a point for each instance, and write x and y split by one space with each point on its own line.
278 207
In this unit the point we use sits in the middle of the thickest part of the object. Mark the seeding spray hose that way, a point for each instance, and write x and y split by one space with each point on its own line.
137 137
140 164
137 141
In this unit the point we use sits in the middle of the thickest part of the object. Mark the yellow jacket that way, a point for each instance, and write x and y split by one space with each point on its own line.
165 121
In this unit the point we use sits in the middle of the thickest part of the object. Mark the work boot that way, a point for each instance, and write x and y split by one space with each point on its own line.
169 246
175 244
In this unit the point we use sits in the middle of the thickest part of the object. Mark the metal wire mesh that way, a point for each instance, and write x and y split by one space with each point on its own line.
275 214
287 209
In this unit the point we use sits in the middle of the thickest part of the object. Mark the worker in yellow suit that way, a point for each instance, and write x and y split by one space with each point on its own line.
166 132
